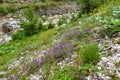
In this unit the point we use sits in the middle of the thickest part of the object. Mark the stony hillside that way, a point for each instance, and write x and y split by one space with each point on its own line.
60 40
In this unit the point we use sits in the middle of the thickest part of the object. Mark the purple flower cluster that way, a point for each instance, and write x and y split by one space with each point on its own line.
56 53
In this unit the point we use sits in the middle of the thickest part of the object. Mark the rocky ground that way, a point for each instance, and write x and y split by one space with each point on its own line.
106 69
9 23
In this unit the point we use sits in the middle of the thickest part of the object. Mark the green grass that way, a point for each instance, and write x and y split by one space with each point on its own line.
35 42
4 9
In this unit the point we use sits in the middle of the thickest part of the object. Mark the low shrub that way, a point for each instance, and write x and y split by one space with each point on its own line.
1 1
90 53
19 35
88 5
32 24
3 9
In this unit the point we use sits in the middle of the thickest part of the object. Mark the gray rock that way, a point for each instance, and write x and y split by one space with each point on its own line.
1 33
7 27
119 69
7 38
95 76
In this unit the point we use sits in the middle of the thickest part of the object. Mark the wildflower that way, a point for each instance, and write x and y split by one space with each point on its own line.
43 16
18 75
26 66
63 25
40 61
80 22
83 77
44 53
61 46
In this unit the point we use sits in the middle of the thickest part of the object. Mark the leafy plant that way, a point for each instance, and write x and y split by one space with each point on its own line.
72 73
110 24
5 50
85 69
63 74
116 11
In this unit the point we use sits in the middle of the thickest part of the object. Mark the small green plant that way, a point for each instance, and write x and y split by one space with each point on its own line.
11 8
63 74
116 11
19 35
8 49
85 69
62 20
90 53
72 73
117 64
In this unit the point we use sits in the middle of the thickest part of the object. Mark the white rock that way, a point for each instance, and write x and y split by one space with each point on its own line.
100 75
55 21
88 78
11 19
45 23
7 38
34 77
104 59
1 33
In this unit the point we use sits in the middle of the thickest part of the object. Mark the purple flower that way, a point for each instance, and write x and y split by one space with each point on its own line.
33 61
76 63
61 46
82 77
56 56
18 75
48 51
40 61
54 50
26 66
44 53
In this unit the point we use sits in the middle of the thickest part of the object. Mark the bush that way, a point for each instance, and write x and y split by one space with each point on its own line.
90 53
29 28
32 24
88 5
1 1
19 35
3 9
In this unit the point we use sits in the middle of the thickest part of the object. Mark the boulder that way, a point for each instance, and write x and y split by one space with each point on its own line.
7 27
